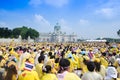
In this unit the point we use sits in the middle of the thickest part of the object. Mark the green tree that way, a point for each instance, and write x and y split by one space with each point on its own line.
32 33
25 32
16 32
5 32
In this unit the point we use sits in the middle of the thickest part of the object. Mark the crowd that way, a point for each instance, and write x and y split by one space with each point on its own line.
55 61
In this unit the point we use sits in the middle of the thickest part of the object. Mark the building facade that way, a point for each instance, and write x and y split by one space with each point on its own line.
57 36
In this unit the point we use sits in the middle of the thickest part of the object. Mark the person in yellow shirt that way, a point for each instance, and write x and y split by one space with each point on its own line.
64 73
91 74
48 75
40 65
84 64
11 73
100 69
56 66
103 60
28 73
2 67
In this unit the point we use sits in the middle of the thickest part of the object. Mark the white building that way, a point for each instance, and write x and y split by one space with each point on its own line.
57 36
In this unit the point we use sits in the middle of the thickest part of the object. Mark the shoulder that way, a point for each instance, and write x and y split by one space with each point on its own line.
72 76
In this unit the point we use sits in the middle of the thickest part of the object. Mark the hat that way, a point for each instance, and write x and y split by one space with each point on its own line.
111 72
28 66
118 59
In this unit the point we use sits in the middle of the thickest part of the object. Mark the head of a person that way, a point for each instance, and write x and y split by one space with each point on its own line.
64 64
47 69
91 66
41 58
111 72
97 65
50 54
10 72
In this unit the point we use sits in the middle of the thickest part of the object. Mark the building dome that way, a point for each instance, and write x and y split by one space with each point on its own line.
57 27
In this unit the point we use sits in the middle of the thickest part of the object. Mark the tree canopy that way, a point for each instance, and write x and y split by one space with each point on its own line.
23 31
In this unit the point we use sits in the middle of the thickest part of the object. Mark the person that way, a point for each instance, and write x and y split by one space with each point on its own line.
28 73
64 73
2 67
40 65
100 69
91 74
11 73
104 60
48 74
111 73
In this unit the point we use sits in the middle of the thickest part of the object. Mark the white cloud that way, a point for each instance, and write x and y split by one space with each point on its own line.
57 3
42 23
64 25
3 24
35 3
106 12
83 22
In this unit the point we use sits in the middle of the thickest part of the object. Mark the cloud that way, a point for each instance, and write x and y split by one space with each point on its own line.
64 25
42 23
106 12
57 3
35 3
83 22
3 24
108 9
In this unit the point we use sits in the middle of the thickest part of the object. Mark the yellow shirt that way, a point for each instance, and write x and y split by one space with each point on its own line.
28 75
67 76
71 76
91 76
14 77
104 62
39 70
71 65
49 76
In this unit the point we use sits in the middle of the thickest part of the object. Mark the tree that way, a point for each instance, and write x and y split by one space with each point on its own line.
32 33
118 32
5 32
25 32
16 32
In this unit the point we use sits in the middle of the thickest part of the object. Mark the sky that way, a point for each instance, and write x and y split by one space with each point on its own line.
88 19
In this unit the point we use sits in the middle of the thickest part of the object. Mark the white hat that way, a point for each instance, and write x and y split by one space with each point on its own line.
111 72
118 59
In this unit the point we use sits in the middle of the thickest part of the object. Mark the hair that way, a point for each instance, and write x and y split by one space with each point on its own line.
52 57
41 58
1 57
10 72
85 61
104 54
50 54
114 54
47 69
63 53
42 53
91 66
57 60
98 66
64 64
